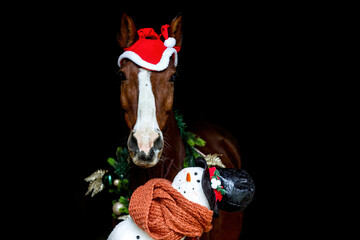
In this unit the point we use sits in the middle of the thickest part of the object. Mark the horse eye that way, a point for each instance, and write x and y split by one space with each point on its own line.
173 78
121 75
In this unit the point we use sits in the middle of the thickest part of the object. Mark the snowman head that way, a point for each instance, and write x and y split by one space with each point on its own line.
199 185
189 183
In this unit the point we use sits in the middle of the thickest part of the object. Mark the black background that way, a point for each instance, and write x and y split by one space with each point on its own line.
244 67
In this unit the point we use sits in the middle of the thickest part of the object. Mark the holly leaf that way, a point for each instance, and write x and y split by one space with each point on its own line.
217 174
123 210
191 142
112 162
200 142
123 201
222 191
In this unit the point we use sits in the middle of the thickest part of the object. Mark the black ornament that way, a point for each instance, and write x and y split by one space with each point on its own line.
108 179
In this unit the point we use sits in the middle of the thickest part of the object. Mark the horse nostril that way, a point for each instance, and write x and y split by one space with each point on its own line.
133 143
146 157
158 143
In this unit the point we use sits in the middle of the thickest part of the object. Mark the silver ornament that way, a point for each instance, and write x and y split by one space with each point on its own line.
116 208
116 182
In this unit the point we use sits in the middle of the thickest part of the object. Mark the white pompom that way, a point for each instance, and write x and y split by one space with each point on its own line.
215 183
170 42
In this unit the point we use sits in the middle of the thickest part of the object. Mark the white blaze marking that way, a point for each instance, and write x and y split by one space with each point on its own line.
146 127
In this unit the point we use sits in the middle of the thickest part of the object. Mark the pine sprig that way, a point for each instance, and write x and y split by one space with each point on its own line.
121 165
190 140
121 169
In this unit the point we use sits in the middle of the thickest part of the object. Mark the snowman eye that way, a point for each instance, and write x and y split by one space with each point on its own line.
137 237
195 173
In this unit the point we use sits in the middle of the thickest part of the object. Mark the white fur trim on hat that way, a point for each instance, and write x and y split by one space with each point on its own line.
164 61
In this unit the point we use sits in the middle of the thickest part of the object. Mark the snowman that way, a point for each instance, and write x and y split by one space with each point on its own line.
128 229
211 188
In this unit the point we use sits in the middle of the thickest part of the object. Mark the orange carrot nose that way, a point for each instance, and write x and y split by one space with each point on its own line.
188 178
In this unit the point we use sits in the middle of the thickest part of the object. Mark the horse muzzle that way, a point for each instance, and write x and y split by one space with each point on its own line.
145 149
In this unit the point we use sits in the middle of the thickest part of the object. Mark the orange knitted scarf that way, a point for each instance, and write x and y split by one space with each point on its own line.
162 212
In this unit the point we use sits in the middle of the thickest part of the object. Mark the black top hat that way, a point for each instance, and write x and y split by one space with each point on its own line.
238 185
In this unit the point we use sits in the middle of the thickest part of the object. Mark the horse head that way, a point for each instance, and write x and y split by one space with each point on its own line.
147 91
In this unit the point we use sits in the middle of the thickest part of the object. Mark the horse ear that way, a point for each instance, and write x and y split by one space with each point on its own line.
127 35
176 29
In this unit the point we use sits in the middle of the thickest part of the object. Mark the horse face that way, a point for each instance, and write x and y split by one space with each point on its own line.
146 97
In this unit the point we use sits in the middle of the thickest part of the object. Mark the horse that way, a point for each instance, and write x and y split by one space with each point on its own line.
155 145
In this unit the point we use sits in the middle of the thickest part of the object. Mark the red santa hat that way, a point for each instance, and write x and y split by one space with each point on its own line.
150 52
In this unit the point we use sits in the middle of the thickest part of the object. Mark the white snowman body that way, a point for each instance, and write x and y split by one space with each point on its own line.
128 230
188 182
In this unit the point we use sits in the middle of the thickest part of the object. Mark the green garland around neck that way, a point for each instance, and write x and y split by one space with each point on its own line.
189 139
